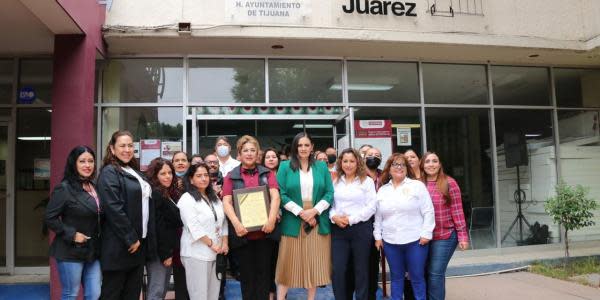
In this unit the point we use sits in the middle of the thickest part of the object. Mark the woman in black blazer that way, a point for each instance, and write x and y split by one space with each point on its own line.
74 214
128 233
165 193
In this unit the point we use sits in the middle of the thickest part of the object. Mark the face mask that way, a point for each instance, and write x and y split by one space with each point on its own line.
373 162
180 174
331 158
222 151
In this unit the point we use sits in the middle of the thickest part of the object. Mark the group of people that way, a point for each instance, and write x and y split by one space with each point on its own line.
330 217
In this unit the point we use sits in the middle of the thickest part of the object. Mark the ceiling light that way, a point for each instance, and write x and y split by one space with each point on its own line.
312 126
34 138
363 87
533 134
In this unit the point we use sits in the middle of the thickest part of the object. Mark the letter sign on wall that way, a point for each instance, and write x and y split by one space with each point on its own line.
384 8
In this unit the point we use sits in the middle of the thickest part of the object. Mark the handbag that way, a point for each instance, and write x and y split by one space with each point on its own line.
221 266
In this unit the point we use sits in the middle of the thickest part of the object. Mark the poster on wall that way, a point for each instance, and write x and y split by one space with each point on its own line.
403 136
169 148
377 133
41 169
149 150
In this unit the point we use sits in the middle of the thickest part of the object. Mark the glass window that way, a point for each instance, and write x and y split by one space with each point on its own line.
227 80
146 123
143 80
577 87
404 134
580 159
526 155
521 85
6 81
461 138
455 84
301 81
32 168
383 82
35 82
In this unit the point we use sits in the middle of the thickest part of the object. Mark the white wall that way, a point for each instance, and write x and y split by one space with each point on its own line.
548 23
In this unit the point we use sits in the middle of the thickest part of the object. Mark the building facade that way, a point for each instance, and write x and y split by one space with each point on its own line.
470 80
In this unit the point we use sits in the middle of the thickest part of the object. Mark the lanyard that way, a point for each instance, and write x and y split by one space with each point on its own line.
212 208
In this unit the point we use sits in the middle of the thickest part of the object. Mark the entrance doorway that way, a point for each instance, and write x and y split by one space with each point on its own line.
272 130
6 202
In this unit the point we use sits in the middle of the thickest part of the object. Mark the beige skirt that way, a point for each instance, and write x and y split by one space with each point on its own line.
304 261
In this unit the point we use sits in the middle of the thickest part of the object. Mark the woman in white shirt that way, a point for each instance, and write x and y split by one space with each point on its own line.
351 236
404 222
204 234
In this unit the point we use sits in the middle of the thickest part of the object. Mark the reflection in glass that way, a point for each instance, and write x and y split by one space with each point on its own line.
577 87
208 131
383 82
580 159
35 82
143 80
298 81
521 85
227 80
163 123
537 173
461 137
32 170
406 123
455 84
6 81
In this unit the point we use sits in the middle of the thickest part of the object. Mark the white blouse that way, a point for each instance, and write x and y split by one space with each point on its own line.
404 213
198 221
306 190
146 193
355 199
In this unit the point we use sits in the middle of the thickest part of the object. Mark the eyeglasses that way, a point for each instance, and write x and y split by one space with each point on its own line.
398 165
211 162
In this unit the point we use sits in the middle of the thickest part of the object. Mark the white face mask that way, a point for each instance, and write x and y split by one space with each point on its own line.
222 151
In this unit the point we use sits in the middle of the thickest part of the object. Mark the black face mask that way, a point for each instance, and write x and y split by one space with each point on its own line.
331 158
373 162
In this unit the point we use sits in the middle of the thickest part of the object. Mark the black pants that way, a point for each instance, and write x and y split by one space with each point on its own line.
351 243
374 258
122 284
255 269
181 292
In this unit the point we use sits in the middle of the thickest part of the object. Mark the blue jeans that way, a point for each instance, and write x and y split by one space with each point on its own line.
73 274
440 252
409 257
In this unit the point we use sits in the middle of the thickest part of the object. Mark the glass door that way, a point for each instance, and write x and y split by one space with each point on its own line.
342 130
5 193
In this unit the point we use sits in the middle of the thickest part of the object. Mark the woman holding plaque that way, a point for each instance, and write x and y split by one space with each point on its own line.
254 249
204 234
306 193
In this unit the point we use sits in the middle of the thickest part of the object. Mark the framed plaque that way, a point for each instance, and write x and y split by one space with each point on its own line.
252 206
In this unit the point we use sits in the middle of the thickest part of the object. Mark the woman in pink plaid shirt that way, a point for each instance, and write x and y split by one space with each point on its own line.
450 226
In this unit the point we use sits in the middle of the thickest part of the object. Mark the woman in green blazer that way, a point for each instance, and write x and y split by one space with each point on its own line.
306 195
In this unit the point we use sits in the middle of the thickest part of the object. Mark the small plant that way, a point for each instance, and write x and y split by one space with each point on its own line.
571 208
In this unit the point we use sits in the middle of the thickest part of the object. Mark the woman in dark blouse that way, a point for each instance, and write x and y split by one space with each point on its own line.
74 214
164 194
